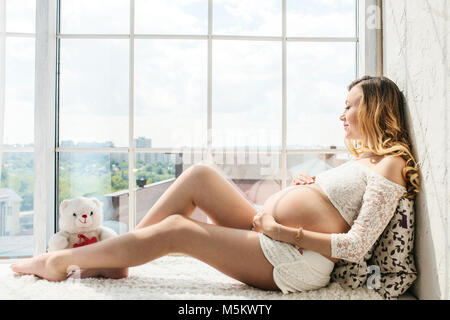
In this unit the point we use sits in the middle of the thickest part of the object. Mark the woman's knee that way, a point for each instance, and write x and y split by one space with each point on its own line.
201 170
175 227
174 222
195 176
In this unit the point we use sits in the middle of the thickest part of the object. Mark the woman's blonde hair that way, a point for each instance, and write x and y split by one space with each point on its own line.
382 123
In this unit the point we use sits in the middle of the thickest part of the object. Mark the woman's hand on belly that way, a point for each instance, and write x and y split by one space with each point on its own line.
266 224
303 178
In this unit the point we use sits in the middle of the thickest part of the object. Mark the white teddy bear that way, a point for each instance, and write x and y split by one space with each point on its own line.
80 222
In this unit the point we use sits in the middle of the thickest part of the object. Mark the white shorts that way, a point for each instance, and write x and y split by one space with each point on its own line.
294 271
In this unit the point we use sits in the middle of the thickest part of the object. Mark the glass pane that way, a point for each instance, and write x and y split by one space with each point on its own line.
246 94
155 173
318 18
19 92
256 173
21 16
95 17
313 164
317 80
100 175
16 204
94 93
186 17
170 93
250 17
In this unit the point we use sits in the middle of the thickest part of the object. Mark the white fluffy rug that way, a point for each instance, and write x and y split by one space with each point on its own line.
167 278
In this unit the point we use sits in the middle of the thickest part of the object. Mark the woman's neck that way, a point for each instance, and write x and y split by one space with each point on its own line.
367 155
374 158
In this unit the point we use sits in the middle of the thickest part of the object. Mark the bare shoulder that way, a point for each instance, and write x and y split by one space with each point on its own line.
391 168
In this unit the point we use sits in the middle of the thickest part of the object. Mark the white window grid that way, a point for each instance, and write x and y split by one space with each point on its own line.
46 180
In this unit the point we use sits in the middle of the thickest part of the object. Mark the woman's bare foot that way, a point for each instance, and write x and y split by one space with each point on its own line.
106 273
44 266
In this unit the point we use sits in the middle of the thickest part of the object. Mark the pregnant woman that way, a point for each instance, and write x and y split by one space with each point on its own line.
293 242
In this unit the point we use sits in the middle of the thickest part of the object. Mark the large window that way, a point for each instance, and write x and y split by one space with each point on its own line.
148 88
144 89
17 52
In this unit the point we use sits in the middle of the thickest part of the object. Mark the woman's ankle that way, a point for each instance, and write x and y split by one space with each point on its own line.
57 261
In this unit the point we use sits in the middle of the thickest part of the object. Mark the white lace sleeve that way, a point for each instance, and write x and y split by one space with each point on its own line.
378 207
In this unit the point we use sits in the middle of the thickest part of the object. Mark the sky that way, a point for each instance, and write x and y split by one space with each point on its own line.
170 93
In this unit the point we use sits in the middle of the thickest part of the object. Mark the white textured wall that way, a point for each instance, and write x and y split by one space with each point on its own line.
416 38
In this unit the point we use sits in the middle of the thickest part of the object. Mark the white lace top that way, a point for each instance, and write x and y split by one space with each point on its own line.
366 200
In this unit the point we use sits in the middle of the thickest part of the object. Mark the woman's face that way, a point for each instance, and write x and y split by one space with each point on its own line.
350 115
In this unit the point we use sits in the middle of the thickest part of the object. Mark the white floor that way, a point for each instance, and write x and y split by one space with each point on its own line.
170 277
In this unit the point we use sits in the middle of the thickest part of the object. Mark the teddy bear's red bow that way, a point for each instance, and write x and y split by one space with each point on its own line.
83 241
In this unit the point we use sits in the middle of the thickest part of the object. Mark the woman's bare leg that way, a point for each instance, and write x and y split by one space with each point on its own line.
234 252
199 186
203 186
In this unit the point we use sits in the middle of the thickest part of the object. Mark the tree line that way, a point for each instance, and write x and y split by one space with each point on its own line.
80 174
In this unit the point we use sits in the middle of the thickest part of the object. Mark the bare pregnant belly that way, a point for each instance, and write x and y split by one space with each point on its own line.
305 206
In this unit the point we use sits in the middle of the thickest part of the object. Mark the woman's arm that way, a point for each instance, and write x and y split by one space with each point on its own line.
379 202
315 241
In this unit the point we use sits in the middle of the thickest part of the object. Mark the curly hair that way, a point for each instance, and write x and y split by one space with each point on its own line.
381 118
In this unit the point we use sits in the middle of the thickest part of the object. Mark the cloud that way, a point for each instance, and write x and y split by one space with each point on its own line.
327 18
250 17
98 128
173 129
186 17
99 16
318 74
94 74
19 127
240 130
320 7
20 16
19 91
171 75
246 76
308 129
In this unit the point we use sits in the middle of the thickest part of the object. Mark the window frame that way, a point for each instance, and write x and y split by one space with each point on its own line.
45 131
47 150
